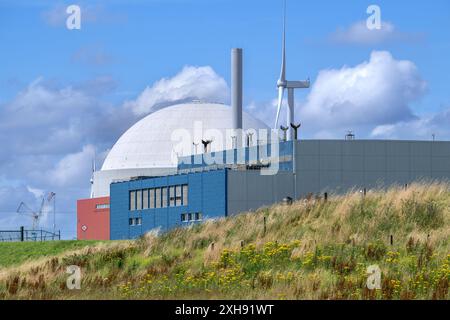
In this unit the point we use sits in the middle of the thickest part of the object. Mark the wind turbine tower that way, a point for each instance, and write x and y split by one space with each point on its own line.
284 84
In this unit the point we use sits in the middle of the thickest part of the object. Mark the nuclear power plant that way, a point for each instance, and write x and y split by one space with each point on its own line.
195 161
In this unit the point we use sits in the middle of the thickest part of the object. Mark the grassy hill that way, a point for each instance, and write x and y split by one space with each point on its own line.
15 253
310 250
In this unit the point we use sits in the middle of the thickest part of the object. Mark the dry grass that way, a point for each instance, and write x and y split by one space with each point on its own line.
324 248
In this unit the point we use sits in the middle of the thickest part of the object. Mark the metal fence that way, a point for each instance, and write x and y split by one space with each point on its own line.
28 235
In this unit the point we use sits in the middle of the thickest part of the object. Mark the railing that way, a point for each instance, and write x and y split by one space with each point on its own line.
28 235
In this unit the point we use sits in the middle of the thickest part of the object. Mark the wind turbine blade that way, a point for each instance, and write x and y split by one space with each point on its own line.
280 102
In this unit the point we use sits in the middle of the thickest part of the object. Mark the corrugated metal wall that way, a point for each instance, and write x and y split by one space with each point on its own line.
249 190
325 165
338 166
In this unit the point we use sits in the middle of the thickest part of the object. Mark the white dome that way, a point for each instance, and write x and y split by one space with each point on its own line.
149 144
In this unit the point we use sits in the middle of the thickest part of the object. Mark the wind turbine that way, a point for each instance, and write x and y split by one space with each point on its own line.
283 84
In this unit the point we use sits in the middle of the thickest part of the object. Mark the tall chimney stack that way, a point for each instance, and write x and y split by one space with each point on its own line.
236 87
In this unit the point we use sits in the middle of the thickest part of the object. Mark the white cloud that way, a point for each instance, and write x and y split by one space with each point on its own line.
38 193
44 119
73 169
373 99
377 92
42 131
265 111
423 128
358 33
191 83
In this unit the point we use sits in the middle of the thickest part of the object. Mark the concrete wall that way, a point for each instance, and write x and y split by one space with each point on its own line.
333 165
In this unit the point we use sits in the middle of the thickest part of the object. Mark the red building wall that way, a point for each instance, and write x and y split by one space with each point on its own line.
93 222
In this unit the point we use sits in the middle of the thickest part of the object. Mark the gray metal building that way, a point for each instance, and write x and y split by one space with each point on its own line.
338 166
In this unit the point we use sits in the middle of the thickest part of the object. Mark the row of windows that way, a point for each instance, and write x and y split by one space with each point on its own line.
135 221
185 217
189 217
173 196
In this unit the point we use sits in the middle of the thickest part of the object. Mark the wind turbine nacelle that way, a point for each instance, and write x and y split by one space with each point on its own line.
297 84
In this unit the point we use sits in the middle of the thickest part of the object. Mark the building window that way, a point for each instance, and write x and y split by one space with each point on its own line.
139 200
172 196
178 196
198 216
102 206
131 222
152 198
185 195
158 198
164 197
138 221
190 217
132 200
145 199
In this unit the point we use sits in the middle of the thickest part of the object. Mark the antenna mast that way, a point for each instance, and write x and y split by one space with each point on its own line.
94 169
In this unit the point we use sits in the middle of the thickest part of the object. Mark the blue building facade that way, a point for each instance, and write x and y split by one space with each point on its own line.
141 205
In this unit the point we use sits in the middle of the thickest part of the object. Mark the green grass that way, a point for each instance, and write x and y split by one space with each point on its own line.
15 253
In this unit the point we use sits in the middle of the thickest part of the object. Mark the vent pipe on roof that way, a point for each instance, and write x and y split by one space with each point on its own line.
350 136
236 87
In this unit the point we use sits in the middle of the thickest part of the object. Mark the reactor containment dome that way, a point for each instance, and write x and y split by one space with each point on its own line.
149 148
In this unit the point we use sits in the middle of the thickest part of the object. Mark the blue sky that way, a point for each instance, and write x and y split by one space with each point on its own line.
65 93
147 40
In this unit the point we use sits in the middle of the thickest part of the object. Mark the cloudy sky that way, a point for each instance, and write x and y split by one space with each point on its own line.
67 95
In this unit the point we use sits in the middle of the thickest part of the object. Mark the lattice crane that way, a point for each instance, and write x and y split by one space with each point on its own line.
35 215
